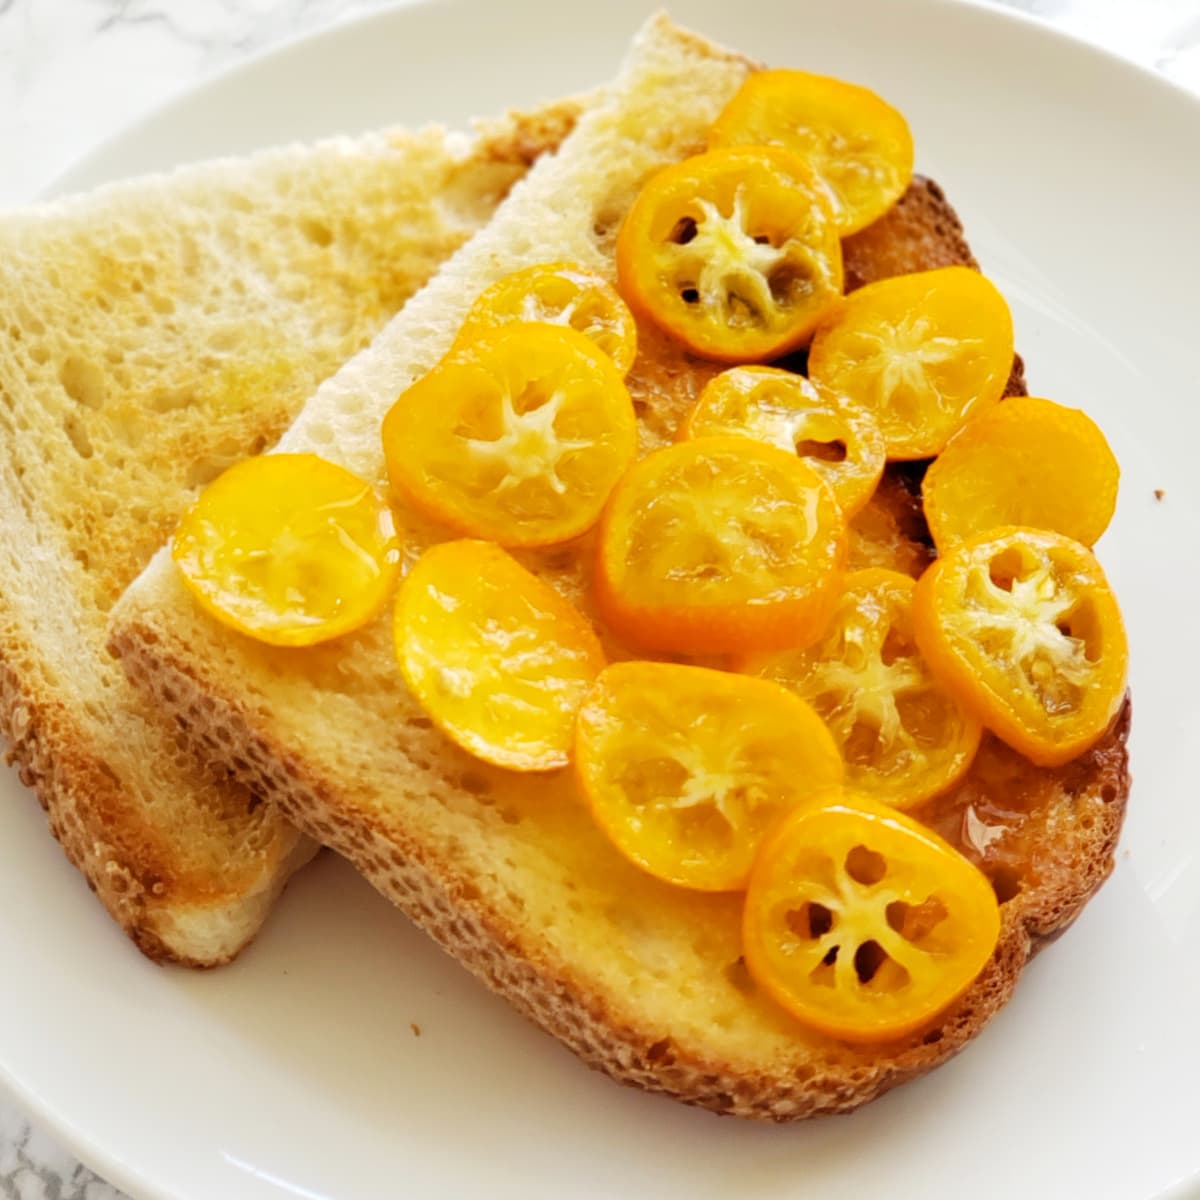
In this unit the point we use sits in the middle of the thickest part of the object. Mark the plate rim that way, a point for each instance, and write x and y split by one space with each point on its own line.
86 163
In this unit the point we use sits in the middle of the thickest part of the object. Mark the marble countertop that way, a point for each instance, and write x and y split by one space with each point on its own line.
72 72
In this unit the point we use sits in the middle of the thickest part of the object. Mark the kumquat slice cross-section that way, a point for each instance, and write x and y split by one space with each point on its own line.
558 293
864 924
1028 462
840 442
1022 626
720 545
290 549
517 438
903 735
921 352
857 144
686 769
734 252
498 659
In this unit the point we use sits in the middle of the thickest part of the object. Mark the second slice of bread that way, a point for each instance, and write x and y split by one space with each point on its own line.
152 333
509 873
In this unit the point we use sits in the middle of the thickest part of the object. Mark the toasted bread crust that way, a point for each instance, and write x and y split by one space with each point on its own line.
41 745
550 992
65 709
1070 832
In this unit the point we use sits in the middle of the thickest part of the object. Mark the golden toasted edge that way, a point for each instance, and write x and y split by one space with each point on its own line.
48 750
127 862
521 137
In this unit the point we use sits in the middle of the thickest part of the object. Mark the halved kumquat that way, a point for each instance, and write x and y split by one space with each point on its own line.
719 545
904 737
858 145
923 353
518 438
687 769
864 924
840 442
558 293
290 549
1022 626
1024 462
734 252
498 659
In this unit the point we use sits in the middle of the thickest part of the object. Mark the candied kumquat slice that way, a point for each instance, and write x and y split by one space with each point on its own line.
687 769
498 659
1022 626
1024 462
904 737
517 438
734 252
840 442
558 293
864 924
289 548
922 353
857 144
719 545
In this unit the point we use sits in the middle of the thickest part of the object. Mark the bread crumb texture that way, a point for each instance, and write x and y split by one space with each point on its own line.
509 873
151 334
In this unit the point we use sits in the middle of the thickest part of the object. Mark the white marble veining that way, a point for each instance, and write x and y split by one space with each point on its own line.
74 71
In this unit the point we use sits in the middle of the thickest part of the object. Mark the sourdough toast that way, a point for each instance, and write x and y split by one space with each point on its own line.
151 334
509 873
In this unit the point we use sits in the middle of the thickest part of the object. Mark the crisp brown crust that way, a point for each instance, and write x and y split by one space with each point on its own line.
42 743
1046 849
921 227
129 864
521 138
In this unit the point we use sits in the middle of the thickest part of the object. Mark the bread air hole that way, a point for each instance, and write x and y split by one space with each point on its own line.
607 219
661 1052
83 381
77 435
316 231
739 977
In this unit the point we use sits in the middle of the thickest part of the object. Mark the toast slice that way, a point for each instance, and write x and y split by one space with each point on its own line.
151 334
508 873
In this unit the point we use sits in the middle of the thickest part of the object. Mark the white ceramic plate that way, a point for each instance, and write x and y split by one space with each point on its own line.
296 1072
